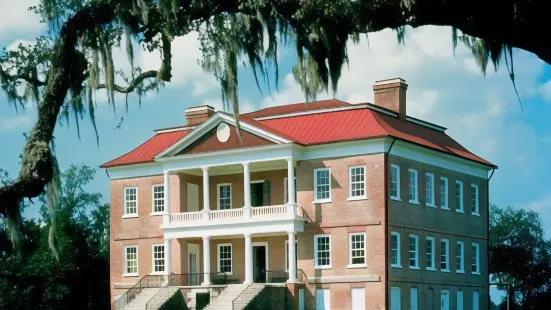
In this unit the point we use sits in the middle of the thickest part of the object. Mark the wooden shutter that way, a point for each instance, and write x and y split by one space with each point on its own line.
266 193
254 203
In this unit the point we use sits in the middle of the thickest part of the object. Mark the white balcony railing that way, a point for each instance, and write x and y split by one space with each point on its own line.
213 217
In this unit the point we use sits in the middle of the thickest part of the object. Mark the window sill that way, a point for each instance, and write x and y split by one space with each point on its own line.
445 270
395 198
128 275
431 206
396 266
356 198
158 273
414 268
445 208
321 201
459 271
130 216
356 266
158 213
476 273
431 269
323 267
415 202
476 214
459 211
220 273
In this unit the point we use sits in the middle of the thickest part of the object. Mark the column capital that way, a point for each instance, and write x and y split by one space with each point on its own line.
290 159
167 239
166 172
292 232
245 163
206 237
205 168
247 234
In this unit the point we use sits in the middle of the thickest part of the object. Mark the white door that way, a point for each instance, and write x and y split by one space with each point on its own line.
357 299
323 299
192 197
459 300
395 300
193 264
301 301
413 302
445 300
476 302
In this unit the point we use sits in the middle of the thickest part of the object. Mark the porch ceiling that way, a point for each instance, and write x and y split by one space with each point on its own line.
280 164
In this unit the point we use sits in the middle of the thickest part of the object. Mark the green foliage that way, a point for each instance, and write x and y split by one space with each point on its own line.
32 278
176 302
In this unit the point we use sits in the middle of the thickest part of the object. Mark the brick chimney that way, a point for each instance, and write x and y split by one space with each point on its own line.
391 94
198 115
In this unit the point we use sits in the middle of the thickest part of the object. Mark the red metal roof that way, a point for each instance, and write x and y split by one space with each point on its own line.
319 128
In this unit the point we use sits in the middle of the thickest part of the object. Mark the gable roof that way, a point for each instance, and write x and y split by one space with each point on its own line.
320 122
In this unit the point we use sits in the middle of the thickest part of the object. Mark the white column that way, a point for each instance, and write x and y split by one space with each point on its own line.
206 260
292 262
247 184
290 181
168 257
206 202
166 184
248 259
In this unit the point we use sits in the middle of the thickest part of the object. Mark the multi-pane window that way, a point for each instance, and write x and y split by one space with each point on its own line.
286 190
357 249
225 258
475 258
130 200
395 249
131 260
357 182
395 182
444 193
224 196
322 184
413 251
429 189
445 255
412 186
287 253
429 253
158 258
474 200
158 198
459 256
323 250
459 196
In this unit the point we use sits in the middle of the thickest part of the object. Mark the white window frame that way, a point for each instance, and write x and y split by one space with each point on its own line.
323 200
432 195
397 197
416 187
218 195
461 257
130 215
350 264
218 246
447 242
153 259
415 252
461 208
153 199
125 272
433 253
477 258
316 237
474 189
398 305
446 205
398 251
414 291
287 253
460 305
286 190
361 197
476 301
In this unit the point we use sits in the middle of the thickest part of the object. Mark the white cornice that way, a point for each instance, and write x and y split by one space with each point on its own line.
310 112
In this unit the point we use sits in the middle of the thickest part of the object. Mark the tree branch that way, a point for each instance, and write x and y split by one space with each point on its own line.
135 82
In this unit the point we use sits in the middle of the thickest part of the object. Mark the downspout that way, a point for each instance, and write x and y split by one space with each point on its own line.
488 232
386 180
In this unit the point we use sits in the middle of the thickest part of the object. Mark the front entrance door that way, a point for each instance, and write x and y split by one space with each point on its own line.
260 262
445 300
260 193
193 264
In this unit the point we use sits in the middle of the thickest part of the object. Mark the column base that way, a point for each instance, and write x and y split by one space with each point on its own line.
291 282
206 283
247 282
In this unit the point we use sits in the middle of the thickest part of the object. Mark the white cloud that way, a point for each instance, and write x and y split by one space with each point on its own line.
17 122
542 205
15 18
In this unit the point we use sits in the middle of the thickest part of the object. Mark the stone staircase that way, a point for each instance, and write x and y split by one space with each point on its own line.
248 295
163 295
141 299
224 301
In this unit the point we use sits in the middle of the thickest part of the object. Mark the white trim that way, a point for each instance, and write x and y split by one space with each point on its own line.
153 258
323 200
397 197
431 177
433 253
200 108
447 191
153 212
477 258
461 258
133 214
461 208
364 196
134 171
447 242
474 188
310 112
398 250
350 264
389 81
218 257
415 200
316 237
287 253
125 265
426 124
416 251
265 245
381 110
218 195
343 149
257 181
174 129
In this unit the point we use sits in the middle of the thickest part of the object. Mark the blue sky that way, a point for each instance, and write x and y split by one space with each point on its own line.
482 113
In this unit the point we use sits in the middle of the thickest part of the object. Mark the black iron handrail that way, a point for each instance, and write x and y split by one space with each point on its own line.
147 281
301 276
270 276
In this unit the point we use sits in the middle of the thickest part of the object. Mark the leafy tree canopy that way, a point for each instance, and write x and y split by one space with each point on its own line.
66 66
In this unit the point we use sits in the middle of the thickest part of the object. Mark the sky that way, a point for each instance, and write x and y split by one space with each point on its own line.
481 112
